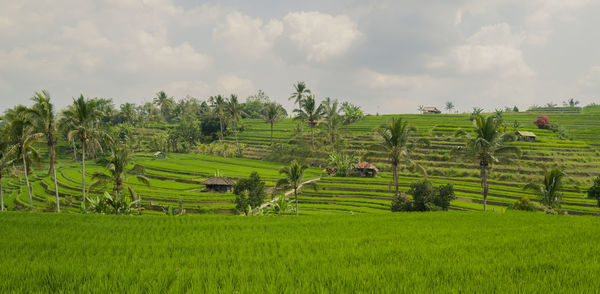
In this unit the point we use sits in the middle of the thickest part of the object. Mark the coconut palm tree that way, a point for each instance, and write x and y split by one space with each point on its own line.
300 92
218 106
485 146
550 189
293 176
164 102
398 144
272 113
311 113
449 106
43 120
233 109
333 119
82 119
116 166
7 157
21 135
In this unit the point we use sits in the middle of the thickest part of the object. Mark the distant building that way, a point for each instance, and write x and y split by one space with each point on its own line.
431 110
526 136
159 155
365 169
219 185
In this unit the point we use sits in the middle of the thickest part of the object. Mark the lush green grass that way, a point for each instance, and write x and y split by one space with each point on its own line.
445 252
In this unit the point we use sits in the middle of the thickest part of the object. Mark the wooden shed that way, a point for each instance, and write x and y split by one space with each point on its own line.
365 169
431 110
159 155
219 185
526 136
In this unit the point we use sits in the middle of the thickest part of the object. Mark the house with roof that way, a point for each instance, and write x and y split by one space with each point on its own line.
431 110
365 169
219 185
526 136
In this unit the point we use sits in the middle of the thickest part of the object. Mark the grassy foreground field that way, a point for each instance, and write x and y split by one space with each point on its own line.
411 252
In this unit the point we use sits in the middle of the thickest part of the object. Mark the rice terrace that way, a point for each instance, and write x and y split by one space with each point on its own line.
367 165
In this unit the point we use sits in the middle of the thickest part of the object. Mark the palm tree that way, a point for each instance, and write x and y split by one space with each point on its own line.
218 105
128 112
22 137
571 102
449 106
164 102
333 120
81 119
7 157
293 176
43 119
233 109
310 113
485 146
116 166
300 92
398 144
272 113
550 188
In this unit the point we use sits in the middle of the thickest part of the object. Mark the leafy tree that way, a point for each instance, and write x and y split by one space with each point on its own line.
311 113
449 106
210 127
352 113
234 112
165 103
398 144
249 192
128 112
300 92
333 119
550 188
293 176
426 197
594 191
116 172
22 136
515 109
484 147
272 113
81 119
551 104
43 120
542 122
571 102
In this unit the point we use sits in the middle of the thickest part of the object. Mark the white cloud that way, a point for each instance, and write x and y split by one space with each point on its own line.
233 84
243 35
321 36
376 80
492 50
592 78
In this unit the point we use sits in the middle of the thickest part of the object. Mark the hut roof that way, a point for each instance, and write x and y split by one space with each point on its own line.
365 165
218 181
526 134
431 109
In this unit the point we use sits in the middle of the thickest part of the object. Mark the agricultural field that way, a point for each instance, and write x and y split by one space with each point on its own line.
175 179
580 157
450 252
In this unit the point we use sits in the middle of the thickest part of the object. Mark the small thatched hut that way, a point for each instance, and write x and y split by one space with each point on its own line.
526 136
365 169
219 185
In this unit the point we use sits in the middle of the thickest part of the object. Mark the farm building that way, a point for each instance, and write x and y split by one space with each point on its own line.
526 136
431 110
365 169
219 184
159 155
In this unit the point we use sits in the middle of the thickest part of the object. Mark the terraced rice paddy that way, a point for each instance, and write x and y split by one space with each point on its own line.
580 157
450 252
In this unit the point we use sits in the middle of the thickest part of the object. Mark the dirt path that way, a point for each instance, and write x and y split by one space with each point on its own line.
274 200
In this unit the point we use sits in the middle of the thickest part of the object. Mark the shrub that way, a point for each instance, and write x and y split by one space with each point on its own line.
426 197
594 191
249 192
525 204
401 203
542 122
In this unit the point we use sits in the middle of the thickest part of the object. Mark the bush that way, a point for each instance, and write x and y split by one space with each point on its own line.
525 204
426 197
249 192
542 122
594 191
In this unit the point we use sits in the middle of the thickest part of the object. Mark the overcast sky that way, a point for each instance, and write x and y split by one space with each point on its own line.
386 56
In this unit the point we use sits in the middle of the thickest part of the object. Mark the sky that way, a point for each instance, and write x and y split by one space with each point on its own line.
385 56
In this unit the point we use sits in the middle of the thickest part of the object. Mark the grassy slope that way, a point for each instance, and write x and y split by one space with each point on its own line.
416 252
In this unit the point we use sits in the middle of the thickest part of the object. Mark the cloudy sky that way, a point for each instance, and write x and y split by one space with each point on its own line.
387 56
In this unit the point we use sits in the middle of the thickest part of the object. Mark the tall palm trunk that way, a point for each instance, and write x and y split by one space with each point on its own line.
296 195
395 173
484 185
312 137
237 144
271 133
83 171
221 125
27 181
53 168
1 196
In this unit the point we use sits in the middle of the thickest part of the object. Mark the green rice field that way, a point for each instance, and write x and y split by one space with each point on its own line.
449 252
